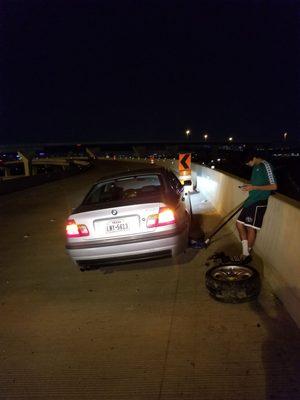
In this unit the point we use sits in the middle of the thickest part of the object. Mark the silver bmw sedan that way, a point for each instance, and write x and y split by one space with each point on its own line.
130 216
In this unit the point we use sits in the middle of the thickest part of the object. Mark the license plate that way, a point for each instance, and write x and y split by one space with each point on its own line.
117 226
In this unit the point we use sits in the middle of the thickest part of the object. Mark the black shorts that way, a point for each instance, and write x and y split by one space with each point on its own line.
253 215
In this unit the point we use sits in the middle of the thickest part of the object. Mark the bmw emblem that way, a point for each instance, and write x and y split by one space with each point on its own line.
114 212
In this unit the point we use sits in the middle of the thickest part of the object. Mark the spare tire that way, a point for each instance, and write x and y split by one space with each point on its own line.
231 283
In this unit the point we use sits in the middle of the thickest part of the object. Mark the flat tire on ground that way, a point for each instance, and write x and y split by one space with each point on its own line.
231 283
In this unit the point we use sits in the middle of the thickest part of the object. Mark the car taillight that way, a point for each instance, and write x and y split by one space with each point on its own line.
165 216
76 230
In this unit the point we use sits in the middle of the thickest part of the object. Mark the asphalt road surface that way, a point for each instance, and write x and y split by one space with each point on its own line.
137 331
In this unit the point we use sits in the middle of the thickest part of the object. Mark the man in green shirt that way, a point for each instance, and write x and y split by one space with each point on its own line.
261 185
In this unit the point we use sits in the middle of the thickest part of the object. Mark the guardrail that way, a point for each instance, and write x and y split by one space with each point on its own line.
15 183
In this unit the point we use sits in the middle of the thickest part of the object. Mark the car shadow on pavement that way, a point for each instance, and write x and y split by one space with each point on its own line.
181 260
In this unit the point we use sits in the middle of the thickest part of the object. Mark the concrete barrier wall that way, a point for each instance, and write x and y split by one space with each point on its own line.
279 245
219 188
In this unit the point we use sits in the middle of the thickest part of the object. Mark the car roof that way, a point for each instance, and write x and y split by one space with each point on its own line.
134 172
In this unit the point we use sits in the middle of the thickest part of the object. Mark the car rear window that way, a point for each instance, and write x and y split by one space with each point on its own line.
133 187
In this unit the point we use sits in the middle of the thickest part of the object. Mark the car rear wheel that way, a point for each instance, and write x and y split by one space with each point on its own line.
233 283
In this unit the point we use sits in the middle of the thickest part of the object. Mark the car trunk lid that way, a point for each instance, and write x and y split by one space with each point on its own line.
114 222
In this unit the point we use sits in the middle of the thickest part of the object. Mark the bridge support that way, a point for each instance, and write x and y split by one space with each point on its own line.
27 163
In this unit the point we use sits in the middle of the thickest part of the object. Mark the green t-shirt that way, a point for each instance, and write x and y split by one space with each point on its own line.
262 174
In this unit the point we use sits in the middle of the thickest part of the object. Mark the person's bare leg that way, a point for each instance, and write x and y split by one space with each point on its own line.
243 236
242 230
251 236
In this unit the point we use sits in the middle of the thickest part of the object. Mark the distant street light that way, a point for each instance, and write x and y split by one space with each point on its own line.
285 136
230 139
205 136
188 133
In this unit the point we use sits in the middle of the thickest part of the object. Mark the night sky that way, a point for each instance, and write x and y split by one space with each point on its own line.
87 70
